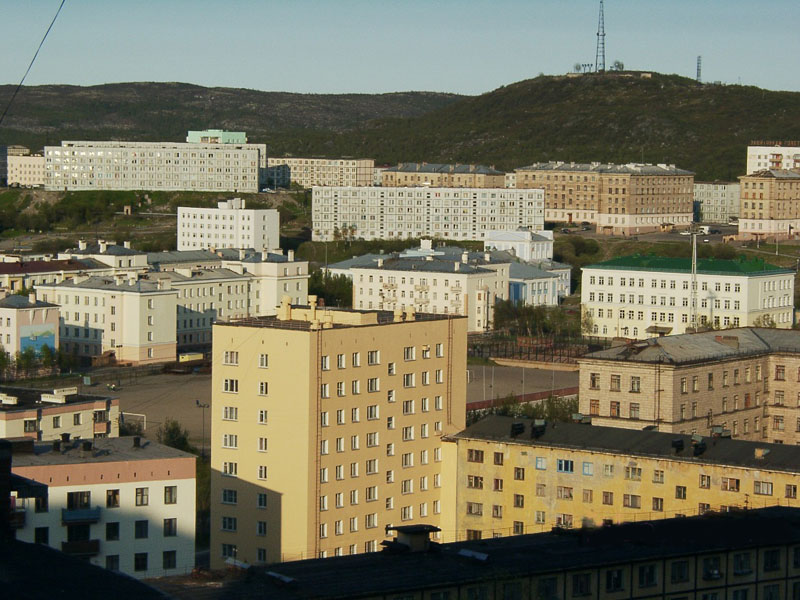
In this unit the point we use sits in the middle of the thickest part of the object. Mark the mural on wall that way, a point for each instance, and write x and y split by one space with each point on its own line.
36 336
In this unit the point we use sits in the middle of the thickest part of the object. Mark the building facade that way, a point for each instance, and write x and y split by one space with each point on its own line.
310 172
743 381
544 475
121 503
26 322
413 212
230 225
110 165
773 155
770 204
216 136
620 199
643 296
719 201
442 176
42 416
26 171
522 243
371 395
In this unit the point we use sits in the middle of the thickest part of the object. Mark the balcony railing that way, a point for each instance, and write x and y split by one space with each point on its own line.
16 518
80 515
102 427
82 548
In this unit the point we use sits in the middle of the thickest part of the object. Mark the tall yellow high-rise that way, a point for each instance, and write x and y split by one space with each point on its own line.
326 428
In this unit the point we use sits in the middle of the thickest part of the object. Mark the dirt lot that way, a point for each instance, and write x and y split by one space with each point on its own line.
488 383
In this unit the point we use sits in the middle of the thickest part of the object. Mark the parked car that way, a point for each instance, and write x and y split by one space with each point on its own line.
713 231
586 228
565 230
706 240
686 232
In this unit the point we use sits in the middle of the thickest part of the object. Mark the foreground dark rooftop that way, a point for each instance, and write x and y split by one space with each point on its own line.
28 398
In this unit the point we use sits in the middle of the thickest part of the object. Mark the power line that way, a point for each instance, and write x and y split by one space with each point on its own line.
21 81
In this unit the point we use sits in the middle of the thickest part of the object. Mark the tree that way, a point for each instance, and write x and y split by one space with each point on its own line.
336 290
26 360
577 67
587 323
171 434
47 356
618 66
765 321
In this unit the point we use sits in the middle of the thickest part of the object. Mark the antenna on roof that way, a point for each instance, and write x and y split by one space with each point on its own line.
600 54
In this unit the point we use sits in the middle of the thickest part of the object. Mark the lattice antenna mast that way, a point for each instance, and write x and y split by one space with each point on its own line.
600 55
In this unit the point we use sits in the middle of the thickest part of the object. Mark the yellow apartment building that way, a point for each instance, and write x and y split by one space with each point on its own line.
518 476
743 381
441 175
326 428
769 204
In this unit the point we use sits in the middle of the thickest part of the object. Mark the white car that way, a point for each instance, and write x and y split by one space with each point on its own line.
684 232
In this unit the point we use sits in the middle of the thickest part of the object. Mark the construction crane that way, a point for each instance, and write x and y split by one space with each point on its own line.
600 54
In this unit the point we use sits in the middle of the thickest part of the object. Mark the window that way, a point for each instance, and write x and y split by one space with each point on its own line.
541 463
140 529
519 473
231 386
142 496
263 388
373 357
705 481
730 484
408 380
614 582
229 496
230 358
582 584
680 492
631 501
541 490
229 523
230 413
615 383
230 440
658 504
325 363
780 372
474 508
409 353
519 501
112 532
169 559
608 498
373 384
588 469
647 575
474 455
29 425
356 359
564 493
762 488
679 571
498 458
636 385
140 558
772 560
112 562
565 466
741 563
57 422
170 494
261 500
170 527
230 468
791 490
711 568
112 498
633 473
594 381
658 476
263 361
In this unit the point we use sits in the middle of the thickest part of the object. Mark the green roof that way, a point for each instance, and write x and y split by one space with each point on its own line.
653 262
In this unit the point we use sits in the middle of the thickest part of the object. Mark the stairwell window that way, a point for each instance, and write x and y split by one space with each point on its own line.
231 386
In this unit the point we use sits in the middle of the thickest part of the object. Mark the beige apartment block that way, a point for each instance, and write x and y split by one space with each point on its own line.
125 317
115 165
770 204
638 296
621 199
745 382
48 415
518 476
26 171
326 428
386 213
441 175
310 172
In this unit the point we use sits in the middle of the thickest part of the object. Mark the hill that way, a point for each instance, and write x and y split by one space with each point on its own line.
48 114
613 118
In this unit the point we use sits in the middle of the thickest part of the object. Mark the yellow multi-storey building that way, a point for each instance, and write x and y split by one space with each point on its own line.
769 204
520 476
440 175
326 428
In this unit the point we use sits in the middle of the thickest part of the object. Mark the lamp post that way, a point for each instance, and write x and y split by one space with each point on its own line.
204 407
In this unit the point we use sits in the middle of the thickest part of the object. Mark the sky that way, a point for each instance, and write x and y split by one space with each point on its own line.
359 46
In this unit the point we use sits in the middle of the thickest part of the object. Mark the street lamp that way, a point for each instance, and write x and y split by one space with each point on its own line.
204 407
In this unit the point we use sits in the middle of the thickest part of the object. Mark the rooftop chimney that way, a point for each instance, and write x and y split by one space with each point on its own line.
81 244
103 246
456 265
285 310
312 303
126 244
290 255
465 257
241 253
32 297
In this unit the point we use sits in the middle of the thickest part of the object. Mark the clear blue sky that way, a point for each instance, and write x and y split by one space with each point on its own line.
334 46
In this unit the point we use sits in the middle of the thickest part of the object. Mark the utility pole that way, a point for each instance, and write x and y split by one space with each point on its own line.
600 54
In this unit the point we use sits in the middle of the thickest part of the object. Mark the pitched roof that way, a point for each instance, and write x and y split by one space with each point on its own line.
411 167
19 301
596 167
30 267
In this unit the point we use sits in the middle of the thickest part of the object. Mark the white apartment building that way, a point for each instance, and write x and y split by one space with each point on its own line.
310 172
433 285
647 296
718 200
114 165
26 171
118 259
125 504
413 212
772 155
522 243
131 318
230 225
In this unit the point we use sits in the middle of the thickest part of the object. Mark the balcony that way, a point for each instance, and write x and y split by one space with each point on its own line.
16 519
80 515
390 286
102 427
83 548
421 288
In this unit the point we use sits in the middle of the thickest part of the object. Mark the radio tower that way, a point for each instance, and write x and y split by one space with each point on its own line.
699 68
600 55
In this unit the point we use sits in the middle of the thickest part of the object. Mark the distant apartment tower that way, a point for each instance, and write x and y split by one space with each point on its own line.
442 176
326 428
115 165
763 155
374 213
718 201
646 296
770 204
126 504
26 171
230 225
310 172
216 136
621 199
5 153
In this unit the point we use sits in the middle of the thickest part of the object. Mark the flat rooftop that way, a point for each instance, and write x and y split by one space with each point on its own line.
635 442
28 398
386 574
337 318
105 450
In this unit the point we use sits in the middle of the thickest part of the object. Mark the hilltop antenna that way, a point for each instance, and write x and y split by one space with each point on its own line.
600 54
699 68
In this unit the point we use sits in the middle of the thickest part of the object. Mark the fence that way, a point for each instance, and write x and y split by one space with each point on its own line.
539 349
